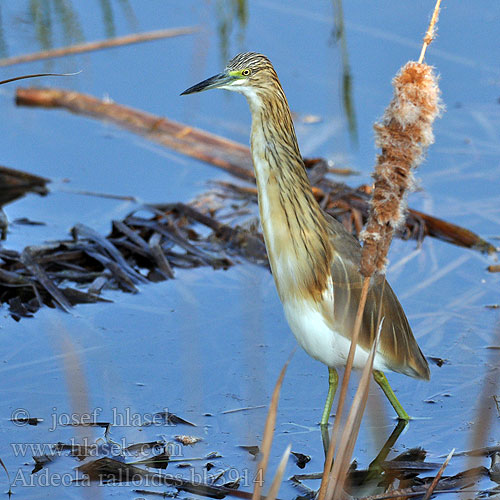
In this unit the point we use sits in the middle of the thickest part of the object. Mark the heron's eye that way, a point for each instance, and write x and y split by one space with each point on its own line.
246 72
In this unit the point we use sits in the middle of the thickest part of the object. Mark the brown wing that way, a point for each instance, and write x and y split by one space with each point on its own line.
397 343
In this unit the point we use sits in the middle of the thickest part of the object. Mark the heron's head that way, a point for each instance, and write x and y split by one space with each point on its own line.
248 73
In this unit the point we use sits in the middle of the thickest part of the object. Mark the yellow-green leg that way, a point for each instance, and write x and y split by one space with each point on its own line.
333 382
382 381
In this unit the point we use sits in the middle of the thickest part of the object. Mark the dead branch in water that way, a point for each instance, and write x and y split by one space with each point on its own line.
206 147
98 45
234 158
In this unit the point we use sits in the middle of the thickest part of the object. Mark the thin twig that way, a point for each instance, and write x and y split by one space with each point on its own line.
37 75
438 476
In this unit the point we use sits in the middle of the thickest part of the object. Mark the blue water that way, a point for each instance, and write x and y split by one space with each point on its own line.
210 341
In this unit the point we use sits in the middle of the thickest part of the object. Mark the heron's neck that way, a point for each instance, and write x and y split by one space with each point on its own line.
295 228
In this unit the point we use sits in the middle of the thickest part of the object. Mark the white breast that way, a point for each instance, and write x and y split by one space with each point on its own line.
319 341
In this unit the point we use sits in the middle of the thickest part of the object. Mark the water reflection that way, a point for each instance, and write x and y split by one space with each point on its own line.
107 15
68 19
229 13
339 36
3 43
47 17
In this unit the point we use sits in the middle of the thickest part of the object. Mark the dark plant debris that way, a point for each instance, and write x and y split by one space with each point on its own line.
301 460
235 158
406 474
153 240
108 470
138 448
13 185
27 420
252 449
172 419
140 249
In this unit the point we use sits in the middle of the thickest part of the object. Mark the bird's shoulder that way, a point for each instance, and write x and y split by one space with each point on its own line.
346 255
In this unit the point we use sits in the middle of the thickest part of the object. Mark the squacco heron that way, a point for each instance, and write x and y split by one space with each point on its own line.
314 260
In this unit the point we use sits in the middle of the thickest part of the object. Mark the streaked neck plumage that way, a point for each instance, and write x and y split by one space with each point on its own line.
295 228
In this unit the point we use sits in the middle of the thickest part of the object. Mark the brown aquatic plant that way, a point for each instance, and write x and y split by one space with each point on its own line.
403 135
267 441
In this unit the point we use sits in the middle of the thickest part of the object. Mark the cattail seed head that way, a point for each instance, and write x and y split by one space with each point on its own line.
403 135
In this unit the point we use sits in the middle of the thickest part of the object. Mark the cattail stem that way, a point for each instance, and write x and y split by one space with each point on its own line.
431 31
403 137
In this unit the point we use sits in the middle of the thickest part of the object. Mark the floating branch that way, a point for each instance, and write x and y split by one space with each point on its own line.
210 148
98 45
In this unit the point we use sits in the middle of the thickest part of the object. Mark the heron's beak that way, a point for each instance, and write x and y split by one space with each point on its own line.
211 83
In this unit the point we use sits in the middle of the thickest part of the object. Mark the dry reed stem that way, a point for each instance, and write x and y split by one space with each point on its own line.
484 411
98 45
267 438
343 391
278 477
435 481
349 435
